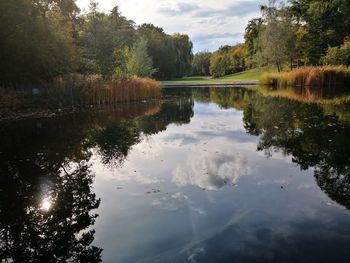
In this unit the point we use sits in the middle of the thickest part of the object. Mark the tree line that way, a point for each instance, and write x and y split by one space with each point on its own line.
310 32
40 40
226 60
293 33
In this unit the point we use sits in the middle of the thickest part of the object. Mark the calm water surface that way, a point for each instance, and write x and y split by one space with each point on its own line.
206 175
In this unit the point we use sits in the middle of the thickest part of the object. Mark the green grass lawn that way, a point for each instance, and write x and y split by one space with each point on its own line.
253 74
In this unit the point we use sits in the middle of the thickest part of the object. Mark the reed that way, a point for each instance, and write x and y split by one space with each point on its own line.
322 77
94 90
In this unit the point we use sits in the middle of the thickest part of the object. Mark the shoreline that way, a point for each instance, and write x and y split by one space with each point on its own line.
56 113
52 113
209 84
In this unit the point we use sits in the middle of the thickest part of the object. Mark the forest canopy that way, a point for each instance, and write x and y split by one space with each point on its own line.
40 40
288 34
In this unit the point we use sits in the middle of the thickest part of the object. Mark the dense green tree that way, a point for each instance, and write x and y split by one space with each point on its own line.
201 64
183 54
160 48
172 55
36 39
103 39
218 65
40 40
338 55
324 23
277 37
227 60
302 29
252 42
140 63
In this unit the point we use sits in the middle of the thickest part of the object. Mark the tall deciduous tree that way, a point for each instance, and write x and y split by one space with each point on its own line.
183 54
324 23
227 60
172 55
36 40
103 39
278 36
252 43
201 64
140 63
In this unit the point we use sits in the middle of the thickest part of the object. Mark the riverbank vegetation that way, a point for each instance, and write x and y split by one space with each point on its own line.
321 77
75 91
45 41
300 32
89 90
288 35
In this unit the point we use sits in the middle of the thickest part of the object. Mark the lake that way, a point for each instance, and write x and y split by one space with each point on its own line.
205 175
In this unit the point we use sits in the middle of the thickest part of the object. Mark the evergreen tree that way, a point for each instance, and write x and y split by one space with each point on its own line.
140 63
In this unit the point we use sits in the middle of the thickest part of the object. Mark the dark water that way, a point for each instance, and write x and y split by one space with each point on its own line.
208 175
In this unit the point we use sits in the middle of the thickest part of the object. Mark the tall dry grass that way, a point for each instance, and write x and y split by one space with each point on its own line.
94 90
323 77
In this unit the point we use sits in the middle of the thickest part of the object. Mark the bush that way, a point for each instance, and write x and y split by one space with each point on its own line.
338 55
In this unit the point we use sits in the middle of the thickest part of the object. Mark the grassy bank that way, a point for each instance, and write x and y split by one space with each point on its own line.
249 75
323 77
74 91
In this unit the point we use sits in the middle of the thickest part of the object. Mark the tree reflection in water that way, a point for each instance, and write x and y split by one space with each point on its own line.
316 134
46 195
45 216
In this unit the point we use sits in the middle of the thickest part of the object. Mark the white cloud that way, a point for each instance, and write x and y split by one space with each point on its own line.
211 171
208 23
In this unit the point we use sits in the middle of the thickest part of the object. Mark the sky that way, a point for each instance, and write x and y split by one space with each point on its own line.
210 23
